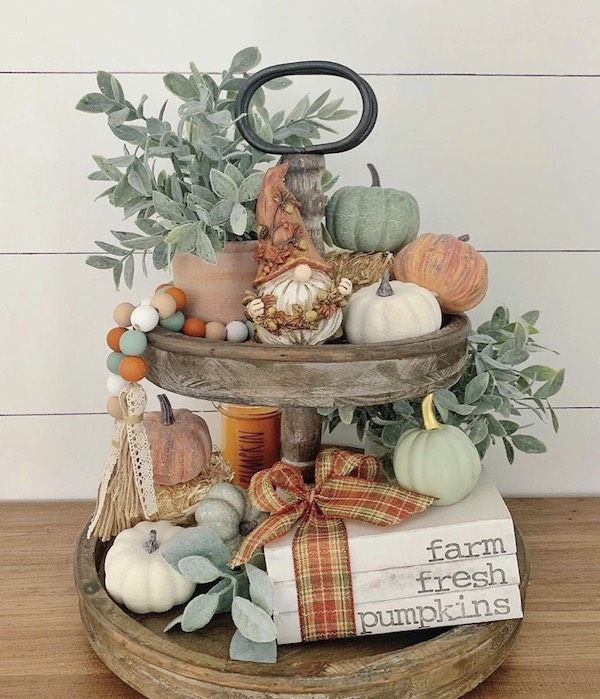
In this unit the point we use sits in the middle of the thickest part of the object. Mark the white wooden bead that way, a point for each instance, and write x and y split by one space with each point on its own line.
115 384
144 318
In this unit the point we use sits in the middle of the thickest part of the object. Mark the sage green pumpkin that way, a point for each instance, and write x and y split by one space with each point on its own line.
440 460
228 511
372 219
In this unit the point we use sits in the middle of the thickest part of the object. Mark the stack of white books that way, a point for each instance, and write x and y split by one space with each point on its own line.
443 567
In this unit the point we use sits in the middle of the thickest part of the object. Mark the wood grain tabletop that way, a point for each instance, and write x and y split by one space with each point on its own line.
43 652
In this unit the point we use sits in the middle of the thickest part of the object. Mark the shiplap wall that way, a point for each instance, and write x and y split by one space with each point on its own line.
489 114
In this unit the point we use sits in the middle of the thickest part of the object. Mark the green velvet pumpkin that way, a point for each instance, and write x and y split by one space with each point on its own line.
439 460
228 511
372 219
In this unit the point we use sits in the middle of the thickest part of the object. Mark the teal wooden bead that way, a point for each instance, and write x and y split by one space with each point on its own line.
133 342
113 360
174 322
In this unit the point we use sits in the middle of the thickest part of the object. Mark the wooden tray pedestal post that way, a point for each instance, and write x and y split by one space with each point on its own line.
301 427
301 438
303 179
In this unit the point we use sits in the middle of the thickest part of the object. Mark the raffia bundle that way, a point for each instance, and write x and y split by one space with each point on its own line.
127 494
362 268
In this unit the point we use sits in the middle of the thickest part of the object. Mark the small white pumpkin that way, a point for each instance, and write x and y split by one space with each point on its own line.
440 460
138 577
390 311
228 511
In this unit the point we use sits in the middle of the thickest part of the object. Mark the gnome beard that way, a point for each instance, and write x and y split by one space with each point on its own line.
295 293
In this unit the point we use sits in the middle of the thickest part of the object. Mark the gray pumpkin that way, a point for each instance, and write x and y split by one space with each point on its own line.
228 511
372 219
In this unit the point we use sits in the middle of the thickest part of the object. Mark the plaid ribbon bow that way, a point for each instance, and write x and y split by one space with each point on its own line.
345 488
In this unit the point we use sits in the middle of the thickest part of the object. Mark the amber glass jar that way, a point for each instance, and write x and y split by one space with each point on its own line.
250 439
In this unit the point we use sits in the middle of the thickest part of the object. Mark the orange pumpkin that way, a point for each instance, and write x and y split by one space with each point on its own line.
448 266
180 443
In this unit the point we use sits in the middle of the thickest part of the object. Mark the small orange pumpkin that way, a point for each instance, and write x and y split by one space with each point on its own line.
180 443
448 266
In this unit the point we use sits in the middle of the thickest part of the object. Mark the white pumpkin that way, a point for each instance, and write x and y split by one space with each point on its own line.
138 577
440 460
390 311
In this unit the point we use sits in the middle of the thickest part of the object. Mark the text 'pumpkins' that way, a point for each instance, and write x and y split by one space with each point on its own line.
372 219
448 266
180 443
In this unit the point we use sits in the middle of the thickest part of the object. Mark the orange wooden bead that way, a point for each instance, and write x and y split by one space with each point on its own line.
113 338
179 296
194 327
133 368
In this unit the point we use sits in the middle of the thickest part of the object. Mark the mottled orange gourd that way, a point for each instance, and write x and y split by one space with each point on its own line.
448 266
180 443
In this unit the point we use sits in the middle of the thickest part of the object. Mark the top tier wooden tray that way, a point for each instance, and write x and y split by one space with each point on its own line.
300 376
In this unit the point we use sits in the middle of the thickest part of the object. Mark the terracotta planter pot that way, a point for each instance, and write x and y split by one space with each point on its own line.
214 292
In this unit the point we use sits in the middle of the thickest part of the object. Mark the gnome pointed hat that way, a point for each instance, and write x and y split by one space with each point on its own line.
283 240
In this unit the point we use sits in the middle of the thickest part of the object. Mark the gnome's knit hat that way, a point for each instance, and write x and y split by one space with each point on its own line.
283 241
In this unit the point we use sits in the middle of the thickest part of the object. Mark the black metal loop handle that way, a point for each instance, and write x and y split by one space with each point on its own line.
362 130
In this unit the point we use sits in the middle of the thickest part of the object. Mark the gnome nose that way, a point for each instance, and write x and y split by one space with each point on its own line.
302 273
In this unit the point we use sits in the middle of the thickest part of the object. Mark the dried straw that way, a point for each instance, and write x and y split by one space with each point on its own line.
362 268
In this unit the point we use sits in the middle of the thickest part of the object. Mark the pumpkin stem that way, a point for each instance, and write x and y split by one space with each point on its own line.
385 288
166 411
151 544
464 238
375 181
247 526
429 420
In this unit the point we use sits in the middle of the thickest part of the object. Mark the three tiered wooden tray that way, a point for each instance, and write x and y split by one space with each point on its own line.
431 663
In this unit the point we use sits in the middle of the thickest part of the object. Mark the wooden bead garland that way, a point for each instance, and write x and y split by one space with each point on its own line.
128 339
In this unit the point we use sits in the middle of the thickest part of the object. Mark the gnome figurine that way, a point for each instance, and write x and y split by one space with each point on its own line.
296 301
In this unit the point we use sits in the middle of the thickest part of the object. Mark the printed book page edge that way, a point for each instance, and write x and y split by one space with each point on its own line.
286 591
288 624
280 564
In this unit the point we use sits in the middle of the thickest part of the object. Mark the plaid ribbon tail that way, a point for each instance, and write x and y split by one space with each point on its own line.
323 579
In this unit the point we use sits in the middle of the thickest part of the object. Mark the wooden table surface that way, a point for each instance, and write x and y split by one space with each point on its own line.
43 652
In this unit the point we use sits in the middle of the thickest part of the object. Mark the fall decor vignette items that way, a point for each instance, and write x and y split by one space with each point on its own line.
378 282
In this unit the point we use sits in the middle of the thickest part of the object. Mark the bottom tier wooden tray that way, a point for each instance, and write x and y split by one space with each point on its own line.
431 663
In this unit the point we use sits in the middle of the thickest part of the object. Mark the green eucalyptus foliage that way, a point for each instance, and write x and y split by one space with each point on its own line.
247 592
191 186
497 388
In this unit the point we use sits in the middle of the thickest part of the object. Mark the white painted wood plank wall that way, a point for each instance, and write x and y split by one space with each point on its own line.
489 115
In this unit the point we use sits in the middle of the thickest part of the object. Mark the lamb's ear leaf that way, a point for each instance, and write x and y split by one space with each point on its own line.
224 591
254 623
198 569
262 592
195 541
199 612
242 648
